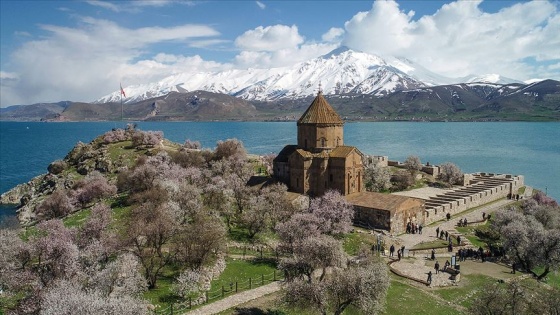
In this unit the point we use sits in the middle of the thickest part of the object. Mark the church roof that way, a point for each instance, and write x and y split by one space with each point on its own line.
343 151
320 112
285 153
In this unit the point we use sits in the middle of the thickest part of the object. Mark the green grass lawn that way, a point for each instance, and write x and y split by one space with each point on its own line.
466 291
240 270
469 233
403 298
353 241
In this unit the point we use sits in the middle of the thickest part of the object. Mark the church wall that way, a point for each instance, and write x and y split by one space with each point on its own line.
412 210
313 134
282 172
337 173
372 218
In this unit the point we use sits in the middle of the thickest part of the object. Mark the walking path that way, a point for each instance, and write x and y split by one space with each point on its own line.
419 267
236 299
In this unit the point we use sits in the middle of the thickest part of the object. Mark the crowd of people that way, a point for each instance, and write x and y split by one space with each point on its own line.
413 228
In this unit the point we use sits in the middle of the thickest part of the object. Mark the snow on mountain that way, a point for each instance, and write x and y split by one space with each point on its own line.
489 78
340 71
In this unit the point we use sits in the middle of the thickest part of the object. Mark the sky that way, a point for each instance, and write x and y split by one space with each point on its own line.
54 51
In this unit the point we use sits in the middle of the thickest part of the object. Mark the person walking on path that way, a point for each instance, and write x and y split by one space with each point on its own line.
437 232
392 250
429 277
420 229
458 239
399 254
436 267
433 254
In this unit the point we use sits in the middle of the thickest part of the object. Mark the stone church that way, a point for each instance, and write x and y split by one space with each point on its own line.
320 161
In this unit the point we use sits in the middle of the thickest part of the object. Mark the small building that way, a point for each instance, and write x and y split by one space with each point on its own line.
386 212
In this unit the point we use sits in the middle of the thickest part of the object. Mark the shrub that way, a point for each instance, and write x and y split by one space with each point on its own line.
57 167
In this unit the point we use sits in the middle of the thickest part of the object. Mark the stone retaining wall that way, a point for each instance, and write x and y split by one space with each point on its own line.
482 188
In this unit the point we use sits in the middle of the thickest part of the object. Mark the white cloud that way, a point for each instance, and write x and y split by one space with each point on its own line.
261 5
270 38
84 63
460 39
281 57
135 6
105 5
333 35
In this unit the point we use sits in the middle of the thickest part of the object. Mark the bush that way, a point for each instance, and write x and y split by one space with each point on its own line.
57 167
56 205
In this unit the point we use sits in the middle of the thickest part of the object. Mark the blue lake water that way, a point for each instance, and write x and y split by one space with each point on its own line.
527 148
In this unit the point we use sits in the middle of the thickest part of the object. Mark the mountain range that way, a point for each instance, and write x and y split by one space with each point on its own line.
358 85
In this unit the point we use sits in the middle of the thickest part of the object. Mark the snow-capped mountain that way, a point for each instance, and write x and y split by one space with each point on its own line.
338 72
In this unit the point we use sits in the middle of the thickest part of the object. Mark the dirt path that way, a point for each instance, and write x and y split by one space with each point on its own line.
236 299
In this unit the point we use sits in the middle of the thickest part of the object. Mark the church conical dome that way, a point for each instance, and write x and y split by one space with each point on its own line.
320 112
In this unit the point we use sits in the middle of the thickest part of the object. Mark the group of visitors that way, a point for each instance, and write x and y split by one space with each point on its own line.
400 252
475 254
413 228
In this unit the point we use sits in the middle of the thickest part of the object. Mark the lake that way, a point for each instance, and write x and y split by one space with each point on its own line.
526 148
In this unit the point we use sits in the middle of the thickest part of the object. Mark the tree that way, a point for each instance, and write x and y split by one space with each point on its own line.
231 148
200 241
402 180
313 253
413 164
193 145
67 297
364 286
191 282
377 177
94 187
451 173
146 138
57 205
530 242
513 297
296 229
334 211
120 278
150 228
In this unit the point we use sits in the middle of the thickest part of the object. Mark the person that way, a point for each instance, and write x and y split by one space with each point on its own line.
402 251
441 234
420 229
483 215
513 268
392 250
481 253
399 254
465 222
433 254
458 239
437 232
447 264
446 235
436 267
429 277
448 216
